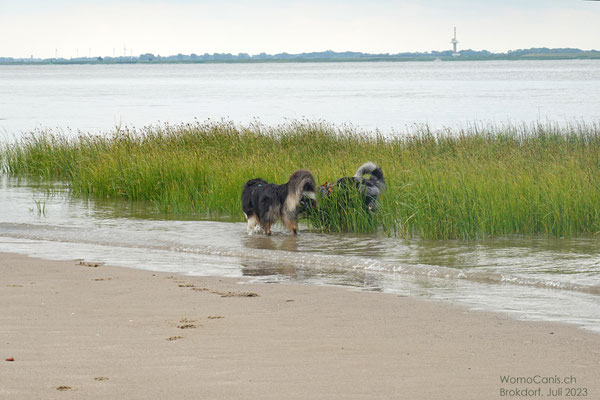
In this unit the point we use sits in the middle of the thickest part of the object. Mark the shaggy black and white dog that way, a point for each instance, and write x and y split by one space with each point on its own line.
263 202
370 187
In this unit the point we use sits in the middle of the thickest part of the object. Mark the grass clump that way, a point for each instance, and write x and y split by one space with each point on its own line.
344 211
470 183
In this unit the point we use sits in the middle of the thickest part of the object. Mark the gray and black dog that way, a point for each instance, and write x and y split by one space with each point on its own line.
264 203
370 187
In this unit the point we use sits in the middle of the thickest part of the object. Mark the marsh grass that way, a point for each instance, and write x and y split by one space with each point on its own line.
343 211
40 206
469 183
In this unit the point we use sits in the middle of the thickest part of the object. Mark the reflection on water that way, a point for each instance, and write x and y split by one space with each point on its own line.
535 278
289 242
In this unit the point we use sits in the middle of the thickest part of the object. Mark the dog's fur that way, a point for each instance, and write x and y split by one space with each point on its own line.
263 202
370 188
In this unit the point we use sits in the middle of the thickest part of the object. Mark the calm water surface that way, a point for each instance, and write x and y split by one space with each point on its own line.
531 278
391 96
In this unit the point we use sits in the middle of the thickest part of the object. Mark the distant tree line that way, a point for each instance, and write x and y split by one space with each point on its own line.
328 55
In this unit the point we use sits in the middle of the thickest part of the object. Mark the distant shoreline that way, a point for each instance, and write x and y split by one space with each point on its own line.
302 61
317 57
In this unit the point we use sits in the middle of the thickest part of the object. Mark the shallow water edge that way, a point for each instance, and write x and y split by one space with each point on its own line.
528 277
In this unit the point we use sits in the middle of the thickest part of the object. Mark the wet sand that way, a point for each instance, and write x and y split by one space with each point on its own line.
80 330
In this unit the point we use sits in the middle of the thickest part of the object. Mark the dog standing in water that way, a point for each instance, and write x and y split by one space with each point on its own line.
370 188
264 203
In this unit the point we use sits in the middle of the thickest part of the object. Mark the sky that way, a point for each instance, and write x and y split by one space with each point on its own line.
68 28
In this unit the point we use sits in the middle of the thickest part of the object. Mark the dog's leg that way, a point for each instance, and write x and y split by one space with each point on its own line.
267 228
288 217
252 222
291 225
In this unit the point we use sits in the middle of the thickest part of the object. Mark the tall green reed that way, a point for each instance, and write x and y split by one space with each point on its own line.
468 183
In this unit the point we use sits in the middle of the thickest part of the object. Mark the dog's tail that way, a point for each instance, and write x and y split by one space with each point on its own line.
376 174
301 183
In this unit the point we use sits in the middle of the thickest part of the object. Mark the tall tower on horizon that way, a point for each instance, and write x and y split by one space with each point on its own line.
454 42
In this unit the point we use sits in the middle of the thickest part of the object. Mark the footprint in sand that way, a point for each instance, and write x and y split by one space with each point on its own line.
222 293
89 264
226 293
186 323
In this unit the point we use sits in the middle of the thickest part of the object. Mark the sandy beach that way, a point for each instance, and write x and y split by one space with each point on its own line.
79 330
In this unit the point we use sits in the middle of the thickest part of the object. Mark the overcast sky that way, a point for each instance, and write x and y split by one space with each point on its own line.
38 27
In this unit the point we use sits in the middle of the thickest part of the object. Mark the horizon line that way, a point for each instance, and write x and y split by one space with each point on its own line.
305 53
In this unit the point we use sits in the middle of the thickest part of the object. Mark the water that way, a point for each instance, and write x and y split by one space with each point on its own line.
385 95
530 278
